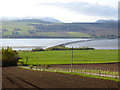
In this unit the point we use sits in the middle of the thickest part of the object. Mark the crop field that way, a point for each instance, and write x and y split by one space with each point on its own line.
15 77
64 57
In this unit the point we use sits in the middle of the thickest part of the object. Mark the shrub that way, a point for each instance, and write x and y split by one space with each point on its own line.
9 57
38 49
45 66
42 66
57 48
31 66
67 48
19 63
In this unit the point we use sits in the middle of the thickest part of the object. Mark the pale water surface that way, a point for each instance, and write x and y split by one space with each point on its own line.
28 44
97 44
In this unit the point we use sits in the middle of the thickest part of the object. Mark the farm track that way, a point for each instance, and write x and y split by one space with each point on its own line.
14 77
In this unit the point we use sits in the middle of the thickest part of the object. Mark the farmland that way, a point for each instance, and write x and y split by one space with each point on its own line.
26 29
14 77
36 28
87 75
64 57
85 62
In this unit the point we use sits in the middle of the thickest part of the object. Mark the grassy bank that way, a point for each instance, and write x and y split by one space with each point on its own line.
64 56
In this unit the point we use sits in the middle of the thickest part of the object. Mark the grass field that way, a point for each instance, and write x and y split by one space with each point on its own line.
64 56
24 28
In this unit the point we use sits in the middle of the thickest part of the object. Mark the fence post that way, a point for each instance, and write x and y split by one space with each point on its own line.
107 57
100 71
93 70
37 63
22 61
115 74
26 60
118 74
37 60
103 71
89 71
72 60
85 70
112 74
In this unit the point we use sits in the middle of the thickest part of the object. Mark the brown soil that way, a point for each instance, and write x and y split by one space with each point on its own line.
110 66
14 77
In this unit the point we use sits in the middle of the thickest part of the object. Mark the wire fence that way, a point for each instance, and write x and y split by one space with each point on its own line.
101 72
76 57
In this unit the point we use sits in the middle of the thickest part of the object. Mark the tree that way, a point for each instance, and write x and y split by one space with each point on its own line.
9 57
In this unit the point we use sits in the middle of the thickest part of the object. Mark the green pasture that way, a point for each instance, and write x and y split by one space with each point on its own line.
25 28
64 56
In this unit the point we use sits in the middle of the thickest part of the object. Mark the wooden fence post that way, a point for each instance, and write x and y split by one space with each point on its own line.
105 72
93 70
85 70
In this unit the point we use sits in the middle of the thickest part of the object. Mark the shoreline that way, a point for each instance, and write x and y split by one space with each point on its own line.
61 45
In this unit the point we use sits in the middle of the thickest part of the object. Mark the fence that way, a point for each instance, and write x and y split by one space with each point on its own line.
101 72
77 57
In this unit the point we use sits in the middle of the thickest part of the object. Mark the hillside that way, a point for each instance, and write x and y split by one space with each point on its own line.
36 28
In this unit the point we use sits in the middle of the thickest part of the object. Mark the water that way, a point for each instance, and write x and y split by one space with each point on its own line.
28 44
97 44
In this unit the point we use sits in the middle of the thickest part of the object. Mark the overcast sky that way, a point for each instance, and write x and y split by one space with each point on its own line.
63 10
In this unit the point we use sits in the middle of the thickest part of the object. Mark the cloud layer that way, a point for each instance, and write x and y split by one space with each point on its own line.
63 10
86 8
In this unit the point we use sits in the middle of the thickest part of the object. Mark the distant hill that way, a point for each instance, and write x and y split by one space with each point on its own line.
47 19
50 19
106 21
36 28
32 21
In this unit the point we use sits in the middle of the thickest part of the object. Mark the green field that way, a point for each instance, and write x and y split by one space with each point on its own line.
24 29
35 28
64 56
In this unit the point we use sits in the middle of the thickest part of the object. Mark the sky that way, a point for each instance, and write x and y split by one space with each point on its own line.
63 10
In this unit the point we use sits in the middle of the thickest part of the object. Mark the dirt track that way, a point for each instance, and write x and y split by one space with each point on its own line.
14 77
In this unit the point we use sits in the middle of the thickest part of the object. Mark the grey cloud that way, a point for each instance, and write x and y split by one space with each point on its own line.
119 10
86 8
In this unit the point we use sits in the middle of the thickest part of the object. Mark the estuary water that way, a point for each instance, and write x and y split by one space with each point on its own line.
97 44
29 44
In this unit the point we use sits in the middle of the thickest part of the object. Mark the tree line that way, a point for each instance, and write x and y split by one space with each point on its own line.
61 48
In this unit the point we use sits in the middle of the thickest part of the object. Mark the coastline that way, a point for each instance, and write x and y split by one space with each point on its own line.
60 44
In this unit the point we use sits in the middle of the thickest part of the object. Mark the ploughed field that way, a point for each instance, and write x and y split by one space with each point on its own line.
115 67
15 77
64 57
